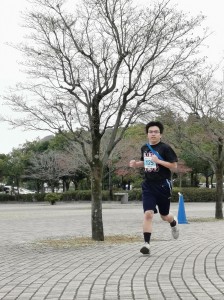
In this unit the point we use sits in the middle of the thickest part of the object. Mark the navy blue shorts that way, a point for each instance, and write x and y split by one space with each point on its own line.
157 194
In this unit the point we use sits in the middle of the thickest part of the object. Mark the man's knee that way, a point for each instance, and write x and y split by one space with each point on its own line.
149 214
166 217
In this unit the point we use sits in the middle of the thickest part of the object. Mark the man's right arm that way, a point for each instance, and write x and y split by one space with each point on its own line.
136 164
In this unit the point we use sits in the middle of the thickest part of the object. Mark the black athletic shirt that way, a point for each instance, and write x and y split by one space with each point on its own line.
155 172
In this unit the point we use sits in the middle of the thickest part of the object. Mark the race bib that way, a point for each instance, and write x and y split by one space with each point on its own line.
148 163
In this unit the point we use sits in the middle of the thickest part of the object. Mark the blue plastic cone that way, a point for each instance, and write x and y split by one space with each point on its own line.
181 217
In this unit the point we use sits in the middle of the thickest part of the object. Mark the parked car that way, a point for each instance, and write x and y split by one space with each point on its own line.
23 191
7 189
202 185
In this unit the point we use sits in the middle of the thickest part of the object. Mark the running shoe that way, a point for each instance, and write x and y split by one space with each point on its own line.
175 230
145 249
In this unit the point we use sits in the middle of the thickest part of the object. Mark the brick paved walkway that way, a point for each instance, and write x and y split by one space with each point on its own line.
191 267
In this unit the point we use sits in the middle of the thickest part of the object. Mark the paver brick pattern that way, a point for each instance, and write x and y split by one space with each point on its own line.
191 267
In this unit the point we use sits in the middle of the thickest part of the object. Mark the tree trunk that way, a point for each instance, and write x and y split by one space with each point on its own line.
219 193
219 184
67 184
180 180
97 220
110 184
192 178
207 181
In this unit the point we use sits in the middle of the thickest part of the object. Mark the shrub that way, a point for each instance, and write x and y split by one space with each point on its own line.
52 198
135 195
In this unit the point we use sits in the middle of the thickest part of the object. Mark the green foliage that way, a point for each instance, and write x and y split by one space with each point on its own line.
38 146
137 182
135 131
135 195
22 198
82 195
25 198
60 141
38 197
6 197
190 195
52 197
195 194
77 195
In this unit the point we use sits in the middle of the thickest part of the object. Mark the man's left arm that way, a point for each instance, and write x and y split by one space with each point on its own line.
166 164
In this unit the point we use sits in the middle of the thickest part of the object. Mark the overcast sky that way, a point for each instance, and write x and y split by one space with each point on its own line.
10 31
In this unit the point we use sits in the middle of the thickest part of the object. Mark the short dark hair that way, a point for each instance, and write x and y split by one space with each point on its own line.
154 123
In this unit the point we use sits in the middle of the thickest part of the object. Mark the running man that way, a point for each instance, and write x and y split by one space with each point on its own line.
157 159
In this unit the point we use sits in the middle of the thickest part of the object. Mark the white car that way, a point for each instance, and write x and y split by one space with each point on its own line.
7 189
23 191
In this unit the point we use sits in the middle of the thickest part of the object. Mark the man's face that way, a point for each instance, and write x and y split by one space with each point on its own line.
154 135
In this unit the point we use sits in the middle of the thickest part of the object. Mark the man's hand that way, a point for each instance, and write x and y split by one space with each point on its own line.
163 163
132 163
155 159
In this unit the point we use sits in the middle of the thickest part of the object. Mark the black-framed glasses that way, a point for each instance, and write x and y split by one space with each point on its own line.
153 131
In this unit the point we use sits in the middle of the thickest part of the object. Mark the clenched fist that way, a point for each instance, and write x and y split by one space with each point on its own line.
132 163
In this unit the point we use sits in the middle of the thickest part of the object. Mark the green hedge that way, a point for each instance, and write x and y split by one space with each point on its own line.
189 194
82 195
195 194
6 197
135 195
21 198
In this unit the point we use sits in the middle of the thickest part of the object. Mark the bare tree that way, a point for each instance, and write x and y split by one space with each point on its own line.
98 70
50 166
200 97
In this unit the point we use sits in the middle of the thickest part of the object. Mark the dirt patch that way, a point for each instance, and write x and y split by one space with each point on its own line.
75 242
